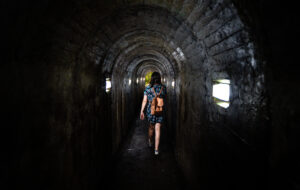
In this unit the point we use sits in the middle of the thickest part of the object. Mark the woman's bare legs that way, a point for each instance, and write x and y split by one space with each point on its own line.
157 135
150 131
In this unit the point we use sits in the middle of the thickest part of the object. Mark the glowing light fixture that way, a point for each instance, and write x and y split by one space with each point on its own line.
173 83
137 80
129 82
221 92
107 84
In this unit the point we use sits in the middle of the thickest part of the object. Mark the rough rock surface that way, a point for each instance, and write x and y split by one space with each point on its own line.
62 128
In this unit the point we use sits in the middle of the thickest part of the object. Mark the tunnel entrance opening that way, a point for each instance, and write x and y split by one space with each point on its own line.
148 78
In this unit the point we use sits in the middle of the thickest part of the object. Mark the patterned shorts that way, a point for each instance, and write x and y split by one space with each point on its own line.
152 118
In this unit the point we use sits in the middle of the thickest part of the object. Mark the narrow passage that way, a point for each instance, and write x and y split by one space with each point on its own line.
138 167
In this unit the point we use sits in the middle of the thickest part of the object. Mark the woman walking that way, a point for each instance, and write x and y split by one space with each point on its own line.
155 88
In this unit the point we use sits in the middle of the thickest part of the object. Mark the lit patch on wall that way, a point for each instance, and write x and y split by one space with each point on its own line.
107 85
221 92
182 57
178 54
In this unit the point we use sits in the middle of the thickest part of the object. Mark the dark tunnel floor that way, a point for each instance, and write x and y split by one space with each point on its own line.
138 168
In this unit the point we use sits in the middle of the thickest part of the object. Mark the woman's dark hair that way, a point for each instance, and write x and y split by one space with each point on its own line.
155 78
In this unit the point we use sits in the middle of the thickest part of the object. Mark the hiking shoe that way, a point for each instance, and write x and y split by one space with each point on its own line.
156 152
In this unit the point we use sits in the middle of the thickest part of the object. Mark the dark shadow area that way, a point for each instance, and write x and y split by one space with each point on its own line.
136 166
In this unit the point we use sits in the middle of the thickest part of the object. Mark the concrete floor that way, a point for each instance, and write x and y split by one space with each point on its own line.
138 167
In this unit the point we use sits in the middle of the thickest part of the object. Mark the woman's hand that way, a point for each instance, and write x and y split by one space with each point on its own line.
142 116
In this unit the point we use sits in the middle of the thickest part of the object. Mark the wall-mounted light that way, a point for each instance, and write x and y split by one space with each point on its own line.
221 92
107 84
173 83
129 81
137 80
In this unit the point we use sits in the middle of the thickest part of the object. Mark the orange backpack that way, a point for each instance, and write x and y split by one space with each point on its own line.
157 104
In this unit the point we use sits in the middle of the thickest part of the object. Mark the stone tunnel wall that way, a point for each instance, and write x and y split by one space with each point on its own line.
276 35
56 97
56 112
216 45
68 99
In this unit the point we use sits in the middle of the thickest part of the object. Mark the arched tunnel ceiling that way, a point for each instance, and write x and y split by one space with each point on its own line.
177 30
186 40
189 40
137 46
142 35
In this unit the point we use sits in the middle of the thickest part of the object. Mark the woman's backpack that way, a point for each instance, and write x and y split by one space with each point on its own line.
157 104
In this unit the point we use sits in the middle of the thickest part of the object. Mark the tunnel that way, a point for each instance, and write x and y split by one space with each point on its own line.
74 79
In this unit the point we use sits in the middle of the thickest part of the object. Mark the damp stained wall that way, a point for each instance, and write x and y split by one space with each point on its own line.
64 128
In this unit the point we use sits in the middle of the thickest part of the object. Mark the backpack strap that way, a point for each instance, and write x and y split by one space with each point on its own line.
154 91
159 91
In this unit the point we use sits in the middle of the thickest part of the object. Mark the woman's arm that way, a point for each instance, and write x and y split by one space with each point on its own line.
142 116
